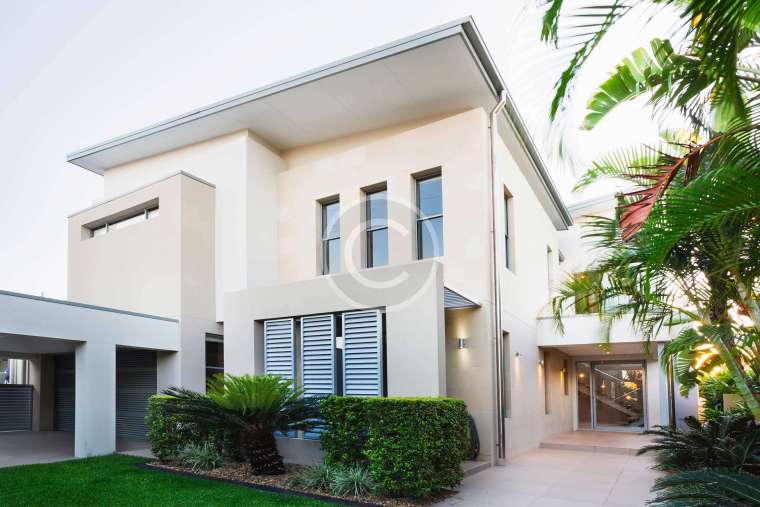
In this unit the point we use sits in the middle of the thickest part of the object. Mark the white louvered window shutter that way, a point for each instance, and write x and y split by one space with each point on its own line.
279 348
318 354
363 353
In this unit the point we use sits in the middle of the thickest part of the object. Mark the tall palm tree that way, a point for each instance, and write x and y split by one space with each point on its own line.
693 264
253 407
682 250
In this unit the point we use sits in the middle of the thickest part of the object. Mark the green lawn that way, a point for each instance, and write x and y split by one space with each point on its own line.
112 480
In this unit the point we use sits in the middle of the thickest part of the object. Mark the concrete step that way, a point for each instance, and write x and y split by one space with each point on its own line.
607 449
472 467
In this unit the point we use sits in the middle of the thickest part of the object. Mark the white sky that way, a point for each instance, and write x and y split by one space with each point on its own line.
78 72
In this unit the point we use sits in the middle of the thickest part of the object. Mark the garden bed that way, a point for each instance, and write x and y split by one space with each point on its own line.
239 473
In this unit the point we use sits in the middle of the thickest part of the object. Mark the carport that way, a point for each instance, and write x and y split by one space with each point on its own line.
91 370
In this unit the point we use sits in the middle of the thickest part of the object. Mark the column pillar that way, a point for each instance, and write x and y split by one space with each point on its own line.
95 406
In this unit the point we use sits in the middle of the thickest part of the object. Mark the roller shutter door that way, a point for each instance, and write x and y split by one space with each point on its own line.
135 384
63 410
15 407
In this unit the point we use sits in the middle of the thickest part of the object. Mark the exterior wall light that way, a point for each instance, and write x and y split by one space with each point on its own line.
461 343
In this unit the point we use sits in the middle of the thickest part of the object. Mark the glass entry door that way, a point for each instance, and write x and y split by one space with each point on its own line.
611 395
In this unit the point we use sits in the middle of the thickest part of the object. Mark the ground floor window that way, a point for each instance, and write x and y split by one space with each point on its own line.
214 355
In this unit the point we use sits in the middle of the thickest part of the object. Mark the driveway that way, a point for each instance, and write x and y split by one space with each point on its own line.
30 447
561 478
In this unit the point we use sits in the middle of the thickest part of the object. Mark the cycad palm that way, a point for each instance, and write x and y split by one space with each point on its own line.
251 407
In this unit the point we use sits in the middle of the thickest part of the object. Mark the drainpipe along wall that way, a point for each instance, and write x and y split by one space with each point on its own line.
496 284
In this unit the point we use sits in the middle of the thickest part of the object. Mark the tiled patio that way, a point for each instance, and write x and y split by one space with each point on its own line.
565 478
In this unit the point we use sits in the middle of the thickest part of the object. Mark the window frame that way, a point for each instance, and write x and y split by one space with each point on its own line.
123 222
508 254
325 241
420 220
370 229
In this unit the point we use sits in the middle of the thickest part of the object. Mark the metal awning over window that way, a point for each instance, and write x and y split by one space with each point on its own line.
453 300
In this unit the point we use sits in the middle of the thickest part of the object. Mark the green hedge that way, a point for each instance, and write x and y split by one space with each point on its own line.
164 430
413 447
169 435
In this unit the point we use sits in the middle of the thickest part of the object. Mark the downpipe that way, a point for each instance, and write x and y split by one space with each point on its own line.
496 284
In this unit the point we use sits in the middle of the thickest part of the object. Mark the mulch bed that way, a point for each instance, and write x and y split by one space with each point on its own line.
239 473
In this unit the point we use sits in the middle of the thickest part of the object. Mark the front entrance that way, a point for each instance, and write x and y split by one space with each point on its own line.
611 395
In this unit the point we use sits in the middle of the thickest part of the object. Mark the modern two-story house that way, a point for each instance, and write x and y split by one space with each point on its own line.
381 226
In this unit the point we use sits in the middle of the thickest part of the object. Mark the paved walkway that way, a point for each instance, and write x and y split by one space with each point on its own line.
561 478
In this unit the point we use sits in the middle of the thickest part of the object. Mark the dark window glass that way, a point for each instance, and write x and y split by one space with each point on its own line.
430 197
330 238
431 237
214 357
378 248
506 232
377 229
430 219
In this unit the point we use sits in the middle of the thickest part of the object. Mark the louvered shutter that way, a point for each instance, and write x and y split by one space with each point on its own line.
317 360
318 354
279 348
363 353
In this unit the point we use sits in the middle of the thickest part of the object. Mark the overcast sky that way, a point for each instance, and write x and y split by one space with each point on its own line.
77 72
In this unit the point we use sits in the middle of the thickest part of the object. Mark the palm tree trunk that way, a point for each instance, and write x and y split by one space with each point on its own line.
260 447
740 377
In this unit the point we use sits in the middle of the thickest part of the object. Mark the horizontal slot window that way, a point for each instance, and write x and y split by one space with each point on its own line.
124 221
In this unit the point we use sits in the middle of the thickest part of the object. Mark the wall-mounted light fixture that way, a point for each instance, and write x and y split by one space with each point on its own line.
461 343
541 362
517 354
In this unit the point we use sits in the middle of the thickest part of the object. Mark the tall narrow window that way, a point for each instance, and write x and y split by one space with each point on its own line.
377 228
547 386
430 217
214 355
507 246
330 237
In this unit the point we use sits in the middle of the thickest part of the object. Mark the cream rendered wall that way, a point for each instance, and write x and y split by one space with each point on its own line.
163 266
525 292
346 166
136 268
242 170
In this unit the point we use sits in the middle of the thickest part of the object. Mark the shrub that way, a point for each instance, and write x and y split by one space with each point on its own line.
313 477
412 447
170 434
253 407
353 480
203 456
730 441
164 430
346 430
708 488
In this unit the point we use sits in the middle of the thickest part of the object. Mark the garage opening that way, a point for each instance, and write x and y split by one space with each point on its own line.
135 384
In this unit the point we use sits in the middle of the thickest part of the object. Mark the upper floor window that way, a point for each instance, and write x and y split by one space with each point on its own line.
507 222
330 237
120 223
430 217
377 228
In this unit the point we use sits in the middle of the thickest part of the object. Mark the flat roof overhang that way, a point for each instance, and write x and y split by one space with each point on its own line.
440 71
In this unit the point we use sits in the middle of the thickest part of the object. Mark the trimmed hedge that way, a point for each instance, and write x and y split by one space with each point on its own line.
169 435
413 447
164 430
